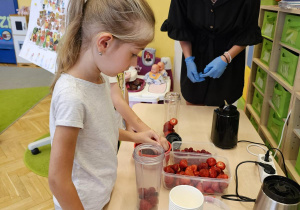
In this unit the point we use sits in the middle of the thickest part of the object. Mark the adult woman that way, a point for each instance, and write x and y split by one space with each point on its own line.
216 32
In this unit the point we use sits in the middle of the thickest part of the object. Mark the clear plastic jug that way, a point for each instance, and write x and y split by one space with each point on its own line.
172 106
148 168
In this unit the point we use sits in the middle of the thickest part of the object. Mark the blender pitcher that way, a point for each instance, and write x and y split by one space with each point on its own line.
172 106
148 168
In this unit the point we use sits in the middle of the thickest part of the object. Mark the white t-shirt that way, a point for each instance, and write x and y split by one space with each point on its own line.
79 103
120 79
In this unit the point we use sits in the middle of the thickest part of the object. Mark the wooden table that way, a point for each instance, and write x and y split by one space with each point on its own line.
194 125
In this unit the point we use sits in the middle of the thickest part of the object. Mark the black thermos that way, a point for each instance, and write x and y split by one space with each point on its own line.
225 126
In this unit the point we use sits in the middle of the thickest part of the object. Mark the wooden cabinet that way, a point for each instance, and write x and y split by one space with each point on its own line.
291 135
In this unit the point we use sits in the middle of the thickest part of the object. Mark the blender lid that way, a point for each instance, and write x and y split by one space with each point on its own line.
229 110
281 189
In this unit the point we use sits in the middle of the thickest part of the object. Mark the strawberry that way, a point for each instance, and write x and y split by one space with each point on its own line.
153 200
168 127
212 172
142 192
220 165
211 161
176 167
196 173
204 173
181 173
169 181
189 171
145 205
183 164
184 181
216 187
217 169
203 166
223 185
223 176
168 169
206 185
209 191
151 192
194 167
173 121
199 187
191 149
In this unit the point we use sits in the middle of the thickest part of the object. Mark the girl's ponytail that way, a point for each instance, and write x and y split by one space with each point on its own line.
70 44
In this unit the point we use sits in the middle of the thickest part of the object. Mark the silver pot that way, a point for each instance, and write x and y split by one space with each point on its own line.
278 193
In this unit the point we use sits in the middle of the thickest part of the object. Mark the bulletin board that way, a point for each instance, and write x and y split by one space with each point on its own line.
47 25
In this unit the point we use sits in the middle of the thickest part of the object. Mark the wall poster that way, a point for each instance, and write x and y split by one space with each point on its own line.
47 24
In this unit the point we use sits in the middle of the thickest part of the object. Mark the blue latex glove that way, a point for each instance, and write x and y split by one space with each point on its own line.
192 73
214 69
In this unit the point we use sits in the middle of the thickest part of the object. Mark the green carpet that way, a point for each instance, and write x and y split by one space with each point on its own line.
39 163
16 102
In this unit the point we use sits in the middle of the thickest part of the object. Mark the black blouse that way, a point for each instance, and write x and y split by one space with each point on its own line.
213 29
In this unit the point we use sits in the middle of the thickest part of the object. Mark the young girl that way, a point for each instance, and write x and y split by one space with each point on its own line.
101 36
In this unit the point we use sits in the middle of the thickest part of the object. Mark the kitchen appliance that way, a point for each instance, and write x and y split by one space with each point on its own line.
225 127
148 160
278 193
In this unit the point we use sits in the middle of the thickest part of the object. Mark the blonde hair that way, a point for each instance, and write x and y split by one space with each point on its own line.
129 21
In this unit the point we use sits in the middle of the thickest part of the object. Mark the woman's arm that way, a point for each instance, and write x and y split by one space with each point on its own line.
234 51
60 167
186 47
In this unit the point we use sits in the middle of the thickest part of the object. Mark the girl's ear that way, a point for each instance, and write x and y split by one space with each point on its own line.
103 41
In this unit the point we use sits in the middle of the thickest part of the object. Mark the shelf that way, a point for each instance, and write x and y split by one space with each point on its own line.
297 132
273 107
270 7
253 83
268 38
290 11
268 136
253 113
290 166
297 94
281 81
290 48
261 64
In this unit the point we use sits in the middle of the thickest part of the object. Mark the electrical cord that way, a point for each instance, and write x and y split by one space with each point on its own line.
285 122
237 196
267 153
255 145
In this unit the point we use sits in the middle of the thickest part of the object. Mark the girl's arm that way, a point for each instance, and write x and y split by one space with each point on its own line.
60 167
132 120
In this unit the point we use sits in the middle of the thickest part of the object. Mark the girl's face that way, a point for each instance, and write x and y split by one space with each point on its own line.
118 58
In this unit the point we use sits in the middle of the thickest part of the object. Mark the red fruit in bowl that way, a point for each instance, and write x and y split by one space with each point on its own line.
169 181
184 181
204 173
218 170
196 173
183 164
216 187
176 167
211 162
194 167
168 169
168 127
212 172
223 176
209 191
188 171
206 185
223 185
220 165
200 187
145 205
203 166
173 121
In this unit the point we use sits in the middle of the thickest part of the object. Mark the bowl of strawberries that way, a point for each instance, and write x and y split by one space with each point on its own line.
209 174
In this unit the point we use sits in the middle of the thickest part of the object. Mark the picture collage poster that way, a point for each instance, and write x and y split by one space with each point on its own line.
47 24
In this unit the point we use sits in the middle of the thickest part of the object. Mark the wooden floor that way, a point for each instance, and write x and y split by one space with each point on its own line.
19 187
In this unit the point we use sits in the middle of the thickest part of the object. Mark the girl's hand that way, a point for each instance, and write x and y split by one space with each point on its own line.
151 136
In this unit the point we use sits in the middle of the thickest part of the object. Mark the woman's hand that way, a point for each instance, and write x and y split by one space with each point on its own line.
214 69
